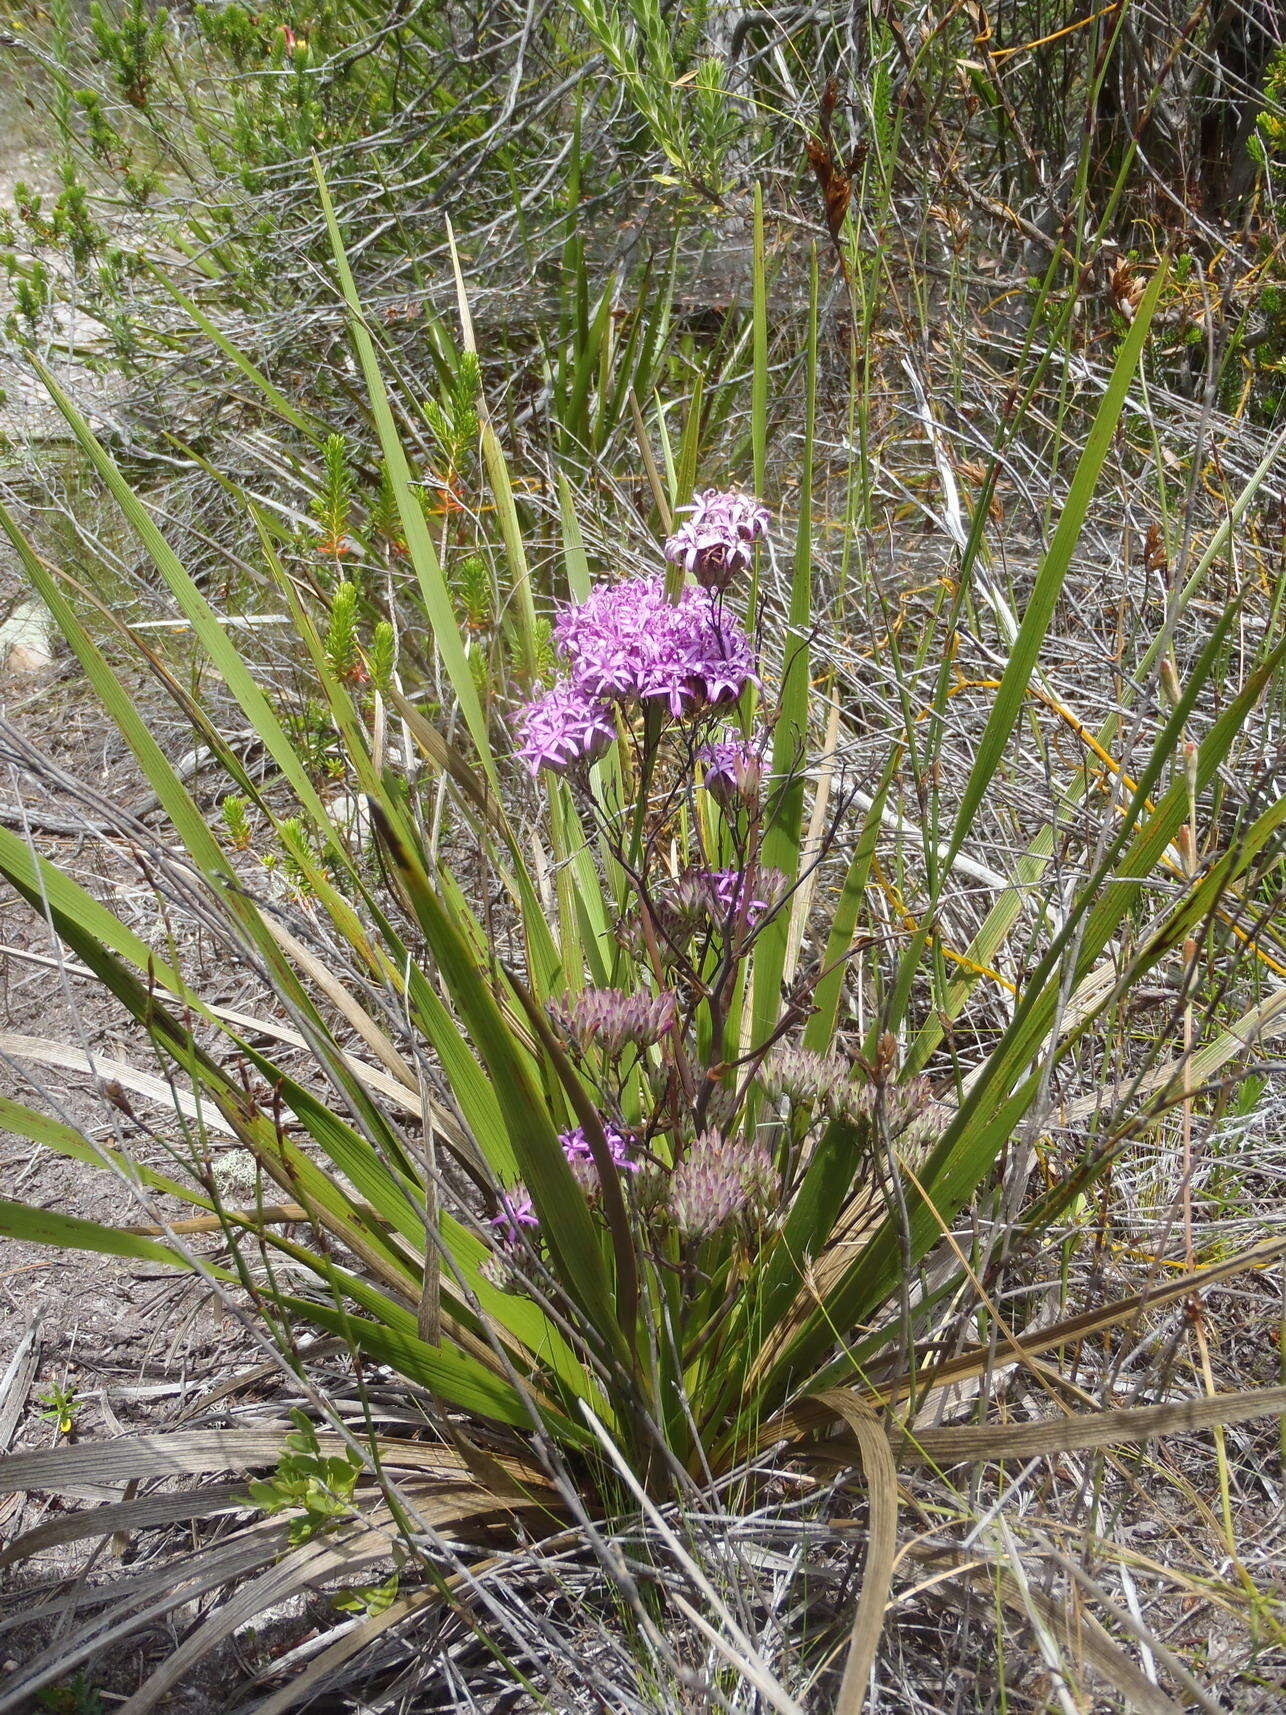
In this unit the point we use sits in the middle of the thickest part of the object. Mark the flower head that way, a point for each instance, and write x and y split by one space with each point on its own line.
610 1019
717 1180
805 1076
630 640
723 897
580 1157
734 770
908 1111
715 543
562 728
518 1212
734 892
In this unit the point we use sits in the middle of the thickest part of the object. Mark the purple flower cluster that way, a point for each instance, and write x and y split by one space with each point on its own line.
734 770
580 1157
716 541
717 1180
722 897
730 892
564 727
629 640
517 1211
611 1019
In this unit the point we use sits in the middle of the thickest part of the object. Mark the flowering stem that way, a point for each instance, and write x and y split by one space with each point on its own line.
653 715
627 1276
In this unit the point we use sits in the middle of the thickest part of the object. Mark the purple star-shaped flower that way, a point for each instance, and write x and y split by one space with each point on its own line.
716 541
562 728
630 640
518 1212
734 770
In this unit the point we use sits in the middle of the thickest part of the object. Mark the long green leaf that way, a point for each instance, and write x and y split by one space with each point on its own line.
972 1142
223 655
565 1219
782 834
71 1233
1054 567
66 1140
433 586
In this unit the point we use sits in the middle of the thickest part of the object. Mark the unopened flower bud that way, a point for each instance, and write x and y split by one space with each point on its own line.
720 1179
610 1019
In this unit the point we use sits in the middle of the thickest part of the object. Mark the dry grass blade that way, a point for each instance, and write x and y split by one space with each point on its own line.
199 1452
122 1517
352 1642
159 1090
194 1452
808 1416
1148 1639
1083 1636
1091 1322
881 1547
728 1637
1262 1024
1086 1430
347 1552
160 1594
16 1382
343 1001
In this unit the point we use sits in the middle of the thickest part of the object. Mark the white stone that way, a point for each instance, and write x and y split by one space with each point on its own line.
26 640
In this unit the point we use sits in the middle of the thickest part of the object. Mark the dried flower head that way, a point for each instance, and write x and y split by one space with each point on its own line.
734 770
908 1111
610 1019
562 728
717 1180
720 897
630 640
716 541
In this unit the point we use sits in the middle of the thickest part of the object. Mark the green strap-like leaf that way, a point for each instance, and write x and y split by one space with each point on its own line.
433 586
1054 568
71 1233
223 655
791 732
66 1140
565 1220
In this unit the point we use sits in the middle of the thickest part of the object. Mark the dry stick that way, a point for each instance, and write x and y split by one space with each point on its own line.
1188 854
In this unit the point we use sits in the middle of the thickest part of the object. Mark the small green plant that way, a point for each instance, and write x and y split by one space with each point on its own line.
79 1696
235 814
453 421
369 1600
342 653
62 1404
383 656
318 1488
131 44
332 507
